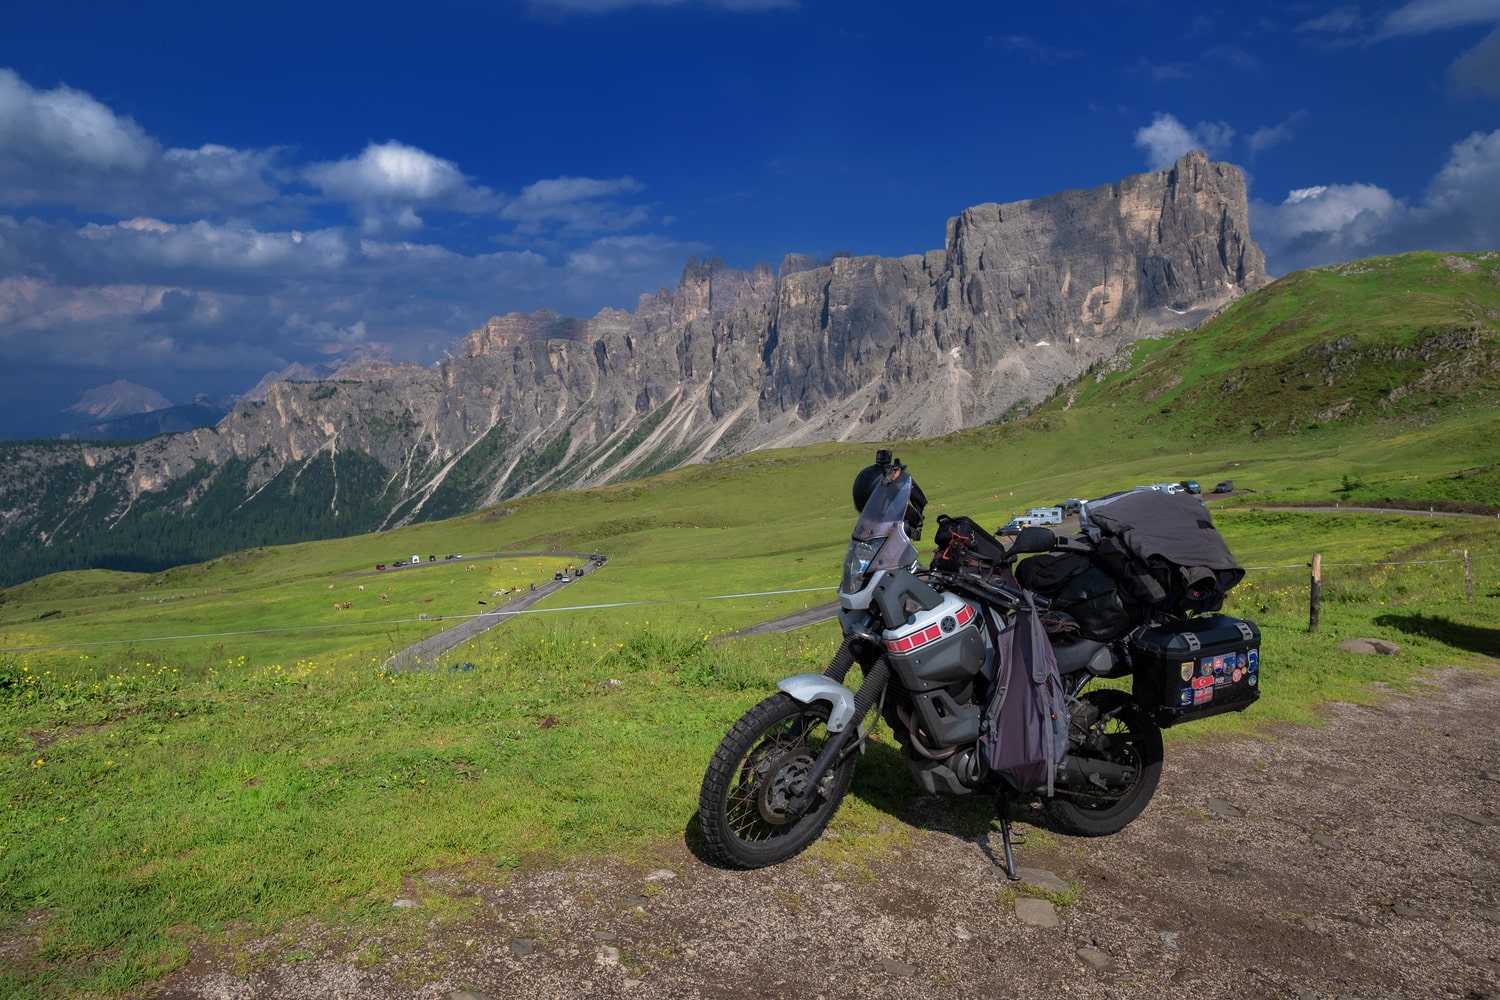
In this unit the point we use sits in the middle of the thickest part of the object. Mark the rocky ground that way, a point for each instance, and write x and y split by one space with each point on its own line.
1358 859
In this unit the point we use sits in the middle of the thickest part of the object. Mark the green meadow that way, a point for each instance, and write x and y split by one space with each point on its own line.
219 749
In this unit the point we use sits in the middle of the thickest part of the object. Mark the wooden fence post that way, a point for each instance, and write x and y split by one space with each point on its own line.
1315 602
1468 578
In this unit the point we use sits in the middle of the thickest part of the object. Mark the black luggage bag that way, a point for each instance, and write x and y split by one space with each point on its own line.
1197 667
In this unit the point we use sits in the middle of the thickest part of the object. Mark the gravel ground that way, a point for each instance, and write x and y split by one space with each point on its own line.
1357 859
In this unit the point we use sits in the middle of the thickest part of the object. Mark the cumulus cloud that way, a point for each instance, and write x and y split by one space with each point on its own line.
1328 223
387 182
1166 139
61 147
201 269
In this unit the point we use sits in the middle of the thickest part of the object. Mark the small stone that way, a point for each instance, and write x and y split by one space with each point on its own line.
963 933
608 957
1043 880
404 904
1037 912
1169 938
1362 919
895 967
521 947
604 935
1328 842
661 875
1096 959
1410 912
1220 807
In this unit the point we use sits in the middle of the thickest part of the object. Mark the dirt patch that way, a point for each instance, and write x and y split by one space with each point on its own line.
1358 859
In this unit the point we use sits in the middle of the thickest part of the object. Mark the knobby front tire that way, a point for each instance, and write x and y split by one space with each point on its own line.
761 763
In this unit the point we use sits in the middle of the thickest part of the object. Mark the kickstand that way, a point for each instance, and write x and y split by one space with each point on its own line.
1002 810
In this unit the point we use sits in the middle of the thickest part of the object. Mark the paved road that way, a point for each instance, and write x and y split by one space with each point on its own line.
792 622
427 653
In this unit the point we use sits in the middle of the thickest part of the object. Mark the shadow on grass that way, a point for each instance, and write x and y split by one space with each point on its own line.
1484 641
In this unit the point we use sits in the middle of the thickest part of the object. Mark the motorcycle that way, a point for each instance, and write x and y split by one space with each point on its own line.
943 656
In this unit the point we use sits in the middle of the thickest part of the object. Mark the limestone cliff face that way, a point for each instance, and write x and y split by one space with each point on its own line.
1021 298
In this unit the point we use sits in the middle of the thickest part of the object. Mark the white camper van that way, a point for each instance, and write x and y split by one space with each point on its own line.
1044 515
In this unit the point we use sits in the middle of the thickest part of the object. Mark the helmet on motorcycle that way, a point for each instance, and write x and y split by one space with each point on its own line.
869 477
865 483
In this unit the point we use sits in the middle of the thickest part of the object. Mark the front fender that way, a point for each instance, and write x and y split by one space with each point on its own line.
809 688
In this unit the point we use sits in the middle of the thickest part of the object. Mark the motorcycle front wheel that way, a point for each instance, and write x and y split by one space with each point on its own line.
1121 733
761 764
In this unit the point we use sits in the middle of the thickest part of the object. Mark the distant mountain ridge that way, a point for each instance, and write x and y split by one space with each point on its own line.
202 411
119 398
1022 298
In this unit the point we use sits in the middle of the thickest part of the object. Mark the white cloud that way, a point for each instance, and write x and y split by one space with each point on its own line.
62 147
1166 139
1470 180
68 126
1342 20
577 204
1423 16
388 182
1328 223
1268 136
389 170
1479 68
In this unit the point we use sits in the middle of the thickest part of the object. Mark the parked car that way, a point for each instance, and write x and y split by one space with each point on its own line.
1191 485
1014 526
1168 487
1072 505
1227 486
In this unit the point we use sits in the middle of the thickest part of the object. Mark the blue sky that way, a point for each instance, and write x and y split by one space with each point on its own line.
192 195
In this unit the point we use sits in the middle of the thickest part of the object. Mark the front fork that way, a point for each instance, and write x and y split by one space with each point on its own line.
846 710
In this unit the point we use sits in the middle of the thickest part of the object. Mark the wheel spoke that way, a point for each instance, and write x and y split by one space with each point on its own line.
760 767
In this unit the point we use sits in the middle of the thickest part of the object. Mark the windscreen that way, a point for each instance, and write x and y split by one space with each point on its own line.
880 540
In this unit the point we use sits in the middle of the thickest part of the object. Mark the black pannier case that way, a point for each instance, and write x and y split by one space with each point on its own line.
1197 667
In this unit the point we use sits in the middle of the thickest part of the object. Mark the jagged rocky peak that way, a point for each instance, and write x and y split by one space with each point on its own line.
1140 251
515 329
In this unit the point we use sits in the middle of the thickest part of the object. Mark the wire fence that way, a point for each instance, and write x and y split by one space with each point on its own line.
469 624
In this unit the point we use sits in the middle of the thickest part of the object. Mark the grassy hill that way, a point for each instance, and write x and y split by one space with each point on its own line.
217 747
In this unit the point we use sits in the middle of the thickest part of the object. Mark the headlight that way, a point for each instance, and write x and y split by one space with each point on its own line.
857 563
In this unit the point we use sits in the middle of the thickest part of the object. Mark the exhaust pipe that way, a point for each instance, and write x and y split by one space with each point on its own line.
1084 772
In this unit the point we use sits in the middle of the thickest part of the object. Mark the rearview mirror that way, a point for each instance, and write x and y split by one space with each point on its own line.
1034 538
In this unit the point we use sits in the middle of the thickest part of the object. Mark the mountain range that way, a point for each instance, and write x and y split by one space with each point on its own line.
1021 299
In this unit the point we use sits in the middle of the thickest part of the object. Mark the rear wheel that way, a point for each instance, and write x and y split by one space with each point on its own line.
744 807
1118 732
